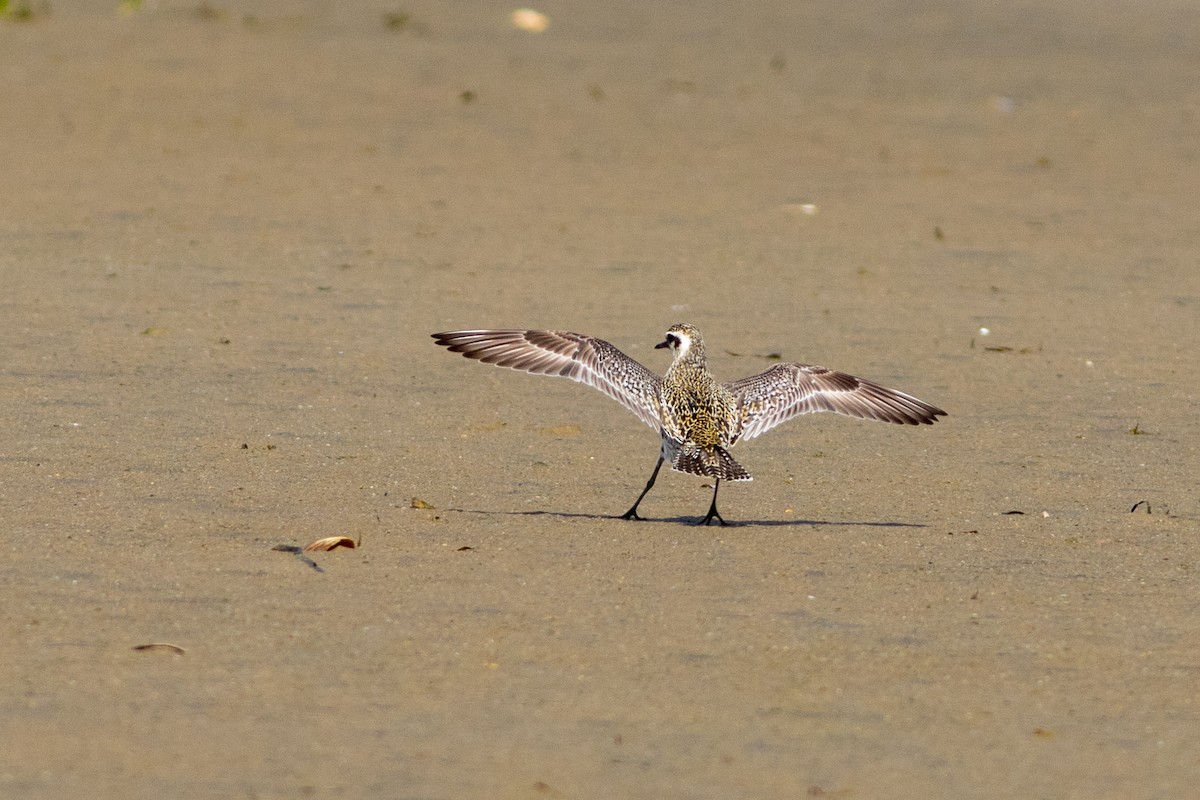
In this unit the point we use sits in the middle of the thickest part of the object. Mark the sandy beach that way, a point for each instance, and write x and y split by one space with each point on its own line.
229 230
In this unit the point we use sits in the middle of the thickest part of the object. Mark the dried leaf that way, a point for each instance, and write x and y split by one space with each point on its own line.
331 543
419 503
161 647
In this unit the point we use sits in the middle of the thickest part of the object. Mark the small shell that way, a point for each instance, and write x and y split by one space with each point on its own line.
526 19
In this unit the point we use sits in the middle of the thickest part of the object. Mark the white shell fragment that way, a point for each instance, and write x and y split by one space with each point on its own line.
530 21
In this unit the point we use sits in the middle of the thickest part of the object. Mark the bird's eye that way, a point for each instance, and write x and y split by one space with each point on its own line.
673 339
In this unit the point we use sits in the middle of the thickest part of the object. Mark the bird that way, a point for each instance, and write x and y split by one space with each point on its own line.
697 418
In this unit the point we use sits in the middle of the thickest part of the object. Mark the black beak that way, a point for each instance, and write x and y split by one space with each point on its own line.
662 344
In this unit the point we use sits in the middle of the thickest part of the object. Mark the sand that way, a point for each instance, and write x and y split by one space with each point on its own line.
228 231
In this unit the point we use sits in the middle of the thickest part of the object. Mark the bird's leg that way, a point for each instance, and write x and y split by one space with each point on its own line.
632 513
712 509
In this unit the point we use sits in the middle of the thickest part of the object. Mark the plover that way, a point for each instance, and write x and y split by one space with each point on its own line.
696 417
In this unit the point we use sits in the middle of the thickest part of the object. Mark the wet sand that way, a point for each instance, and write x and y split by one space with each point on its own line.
228 233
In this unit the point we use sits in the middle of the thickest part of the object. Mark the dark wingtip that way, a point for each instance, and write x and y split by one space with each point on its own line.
928 416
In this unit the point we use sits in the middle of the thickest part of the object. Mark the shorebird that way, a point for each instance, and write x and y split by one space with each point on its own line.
697 418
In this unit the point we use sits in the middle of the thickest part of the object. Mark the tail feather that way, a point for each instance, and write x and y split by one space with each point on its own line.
715 463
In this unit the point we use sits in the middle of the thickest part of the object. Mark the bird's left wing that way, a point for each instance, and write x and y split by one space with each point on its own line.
789 390
582 358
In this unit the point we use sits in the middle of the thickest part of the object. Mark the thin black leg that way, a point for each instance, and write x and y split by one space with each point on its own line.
632 513
712 509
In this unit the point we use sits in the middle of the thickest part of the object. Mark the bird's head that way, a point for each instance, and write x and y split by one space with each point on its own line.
680 339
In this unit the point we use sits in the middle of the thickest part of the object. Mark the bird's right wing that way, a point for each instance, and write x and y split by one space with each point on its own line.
570 355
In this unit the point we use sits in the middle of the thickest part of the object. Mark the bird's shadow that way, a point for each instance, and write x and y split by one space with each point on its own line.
694 521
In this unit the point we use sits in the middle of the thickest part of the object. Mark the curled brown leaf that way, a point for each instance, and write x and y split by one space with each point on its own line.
331 543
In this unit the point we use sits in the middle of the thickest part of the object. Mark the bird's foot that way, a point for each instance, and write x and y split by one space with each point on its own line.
632 514
711 516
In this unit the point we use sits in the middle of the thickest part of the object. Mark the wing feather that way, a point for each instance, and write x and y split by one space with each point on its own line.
786 391
581 358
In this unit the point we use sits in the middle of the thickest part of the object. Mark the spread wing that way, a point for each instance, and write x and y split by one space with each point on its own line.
571 355
789 390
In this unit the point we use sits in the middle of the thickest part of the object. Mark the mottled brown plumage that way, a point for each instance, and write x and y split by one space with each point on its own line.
697 418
